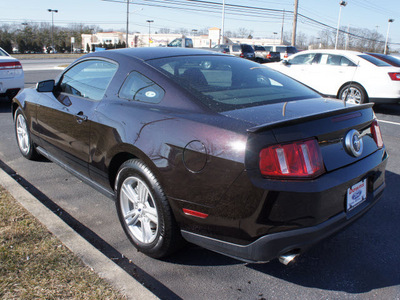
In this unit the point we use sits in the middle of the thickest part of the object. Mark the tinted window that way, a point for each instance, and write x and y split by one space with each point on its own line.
268 48
280 49
235 48
302 59
374 60
140 88
291 50
247 48
88 79
228 83
259 48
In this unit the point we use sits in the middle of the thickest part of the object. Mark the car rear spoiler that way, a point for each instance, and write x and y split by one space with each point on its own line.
295 121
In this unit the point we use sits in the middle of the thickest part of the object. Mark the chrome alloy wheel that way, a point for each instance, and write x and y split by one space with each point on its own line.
353 95
22 134
139 210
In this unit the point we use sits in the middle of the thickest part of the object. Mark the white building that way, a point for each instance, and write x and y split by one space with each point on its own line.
157 40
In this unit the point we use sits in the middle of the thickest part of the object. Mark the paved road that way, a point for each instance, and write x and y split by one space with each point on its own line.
361 262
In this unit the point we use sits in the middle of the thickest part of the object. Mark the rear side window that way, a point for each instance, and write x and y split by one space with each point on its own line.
140 88
375 61
88 79
228 83
336 60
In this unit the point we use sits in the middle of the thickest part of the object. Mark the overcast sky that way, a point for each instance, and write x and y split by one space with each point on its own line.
368 14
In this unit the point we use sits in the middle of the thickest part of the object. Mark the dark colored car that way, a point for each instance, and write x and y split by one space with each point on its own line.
208 148
242 50
386 58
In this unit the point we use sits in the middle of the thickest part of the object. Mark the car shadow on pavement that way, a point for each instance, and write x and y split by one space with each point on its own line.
359 259
388 109
5 105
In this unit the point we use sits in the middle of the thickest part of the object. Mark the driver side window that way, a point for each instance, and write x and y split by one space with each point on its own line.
88 79
305 59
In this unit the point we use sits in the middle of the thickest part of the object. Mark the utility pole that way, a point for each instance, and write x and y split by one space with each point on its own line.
283 22
296 7
127 23
221 37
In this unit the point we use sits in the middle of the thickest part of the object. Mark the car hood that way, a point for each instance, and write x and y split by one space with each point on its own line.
276 113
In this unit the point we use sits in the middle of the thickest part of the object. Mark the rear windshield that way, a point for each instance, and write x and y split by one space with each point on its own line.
247 48
227 83
374 60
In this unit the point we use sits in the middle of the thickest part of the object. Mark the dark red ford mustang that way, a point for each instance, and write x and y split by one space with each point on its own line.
208 148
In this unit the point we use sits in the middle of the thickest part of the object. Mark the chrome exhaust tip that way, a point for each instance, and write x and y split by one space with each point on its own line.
288 257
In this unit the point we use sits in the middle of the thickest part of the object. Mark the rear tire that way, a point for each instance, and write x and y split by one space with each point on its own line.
144 211
22 133
355 93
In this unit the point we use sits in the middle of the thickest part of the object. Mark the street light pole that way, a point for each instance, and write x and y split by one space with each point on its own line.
342 4
52 25
149 21
387 35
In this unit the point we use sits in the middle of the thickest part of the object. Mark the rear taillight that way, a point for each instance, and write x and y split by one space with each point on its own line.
376 133
241 55
10 65
286 55
394 76
269 55
300 159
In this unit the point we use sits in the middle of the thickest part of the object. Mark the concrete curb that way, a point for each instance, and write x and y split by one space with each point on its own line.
92 257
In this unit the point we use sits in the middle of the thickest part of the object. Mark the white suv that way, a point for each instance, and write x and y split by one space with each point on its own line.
284 50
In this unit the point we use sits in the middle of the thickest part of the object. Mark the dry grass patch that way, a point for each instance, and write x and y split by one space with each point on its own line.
34 264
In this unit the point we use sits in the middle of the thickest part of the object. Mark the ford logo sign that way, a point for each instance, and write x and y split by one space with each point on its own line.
353 143
356 195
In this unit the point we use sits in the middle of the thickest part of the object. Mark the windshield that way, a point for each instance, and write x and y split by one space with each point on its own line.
226 83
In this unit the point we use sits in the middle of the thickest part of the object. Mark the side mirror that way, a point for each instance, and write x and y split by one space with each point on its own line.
45 86
285 62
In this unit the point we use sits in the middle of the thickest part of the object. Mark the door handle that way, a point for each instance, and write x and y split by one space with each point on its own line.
80 117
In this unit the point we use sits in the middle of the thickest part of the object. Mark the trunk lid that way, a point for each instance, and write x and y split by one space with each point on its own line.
329 121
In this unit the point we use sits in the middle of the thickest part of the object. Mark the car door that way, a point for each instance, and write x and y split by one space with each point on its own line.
65 116
333 71
300 68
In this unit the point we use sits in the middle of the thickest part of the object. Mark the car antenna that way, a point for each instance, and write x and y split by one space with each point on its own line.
351 82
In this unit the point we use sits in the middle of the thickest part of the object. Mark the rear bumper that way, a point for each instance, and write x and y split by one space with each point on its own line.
274 245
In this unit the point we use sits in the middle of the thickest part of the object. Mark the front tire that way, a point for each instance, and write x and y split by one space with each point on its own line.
24 141
144 211
354 92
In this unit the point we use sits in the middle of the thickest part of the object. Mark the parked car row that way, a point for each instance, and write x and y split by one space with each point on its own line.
348 75
11 75
261 54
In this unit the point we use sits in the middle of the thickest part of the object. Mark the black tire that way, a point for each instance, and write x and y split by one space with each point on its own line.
22 133
357 95
144 211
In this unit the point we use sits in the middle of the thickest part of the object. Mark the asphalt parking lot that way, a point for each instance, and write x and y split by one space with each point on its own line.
360 262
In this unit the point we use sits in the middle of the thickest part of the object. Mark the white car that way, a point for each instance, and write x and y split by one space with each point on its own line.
11 75
354 76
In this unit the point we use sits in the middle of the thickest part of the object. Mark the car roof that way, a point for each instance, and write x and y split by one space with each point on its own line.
147 53
332 51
